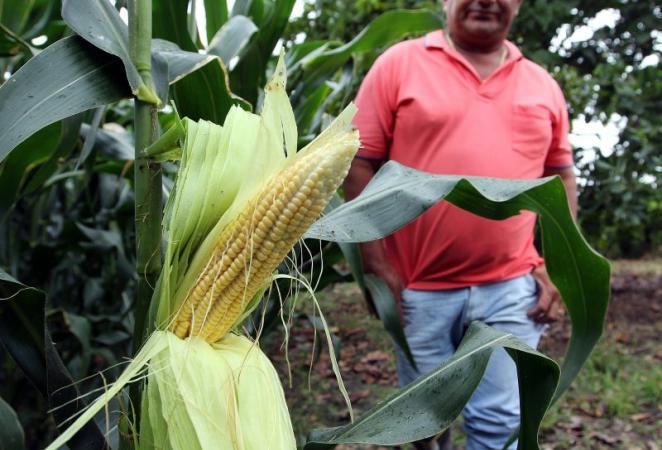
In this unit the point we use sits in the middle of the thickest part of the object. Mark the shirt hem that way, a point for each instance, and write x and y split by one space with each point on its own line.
442 285
370 154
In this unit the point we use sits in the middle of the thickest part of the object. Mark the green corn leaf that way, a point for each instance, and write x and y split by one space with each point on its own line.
378 296
99 23
431 403
11 433
13 21
14 15
387 310
69 77
385 29
271 17
308 114
216 12
397 195
205 93
24 334
232 38
72 76
17 167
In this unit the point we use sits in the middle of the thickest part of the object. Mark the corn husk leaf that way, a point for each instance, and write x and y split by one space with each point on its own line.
201 396
152 347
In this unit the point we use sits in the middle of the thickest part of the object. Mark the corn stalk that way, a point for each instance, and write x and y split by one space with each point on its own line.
147 178
147 173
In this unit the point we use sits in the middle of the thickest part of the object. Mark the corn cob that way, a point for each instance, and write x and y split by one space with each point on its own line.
252 246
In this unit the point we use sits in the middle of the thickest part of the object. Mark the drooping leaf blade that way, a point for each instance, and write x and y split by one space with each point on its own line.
431 403
67 78
232 38
11 432
99 23
205 93
378 296
21 314
23 332
397 195
31 153
179 63
69 132
113 144
90 136
72 76
26 169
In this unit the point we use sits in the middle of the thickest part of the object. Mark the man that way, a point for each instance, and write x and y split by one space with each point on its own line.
465 101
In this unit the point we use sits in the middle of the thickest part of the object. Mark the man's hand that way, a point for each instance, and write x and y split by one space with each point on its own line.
374 262
393 281
550 305
372 253
569 180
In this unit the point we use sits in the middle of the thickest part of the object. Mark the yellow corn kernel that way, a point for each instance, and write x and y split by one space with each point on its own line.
251 247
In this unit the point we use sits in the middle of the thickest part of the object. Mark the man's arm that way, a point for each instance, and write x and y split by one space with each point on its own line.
550 305
567 175
373 255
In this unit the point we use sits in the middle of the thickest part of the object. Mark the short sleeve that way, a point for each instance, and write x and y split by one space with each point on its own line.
376 102
560 150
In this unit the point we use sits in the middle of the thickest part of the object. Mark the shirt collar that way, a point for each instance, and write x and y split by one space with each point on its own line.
437 39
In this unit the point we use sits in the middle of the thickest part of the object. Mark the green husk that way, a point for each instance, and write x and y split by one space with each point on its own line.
152 347
243 408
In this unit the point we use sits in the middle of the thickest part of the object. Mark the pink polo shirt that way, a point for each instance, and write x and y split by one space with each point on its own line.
423 105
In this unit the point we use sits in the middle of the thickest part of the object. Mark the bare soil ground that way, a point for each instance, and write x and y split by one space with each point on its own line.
616 402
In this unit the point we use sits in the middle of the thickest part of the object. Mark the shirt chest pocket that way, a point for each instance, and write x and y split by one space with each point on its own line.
532 130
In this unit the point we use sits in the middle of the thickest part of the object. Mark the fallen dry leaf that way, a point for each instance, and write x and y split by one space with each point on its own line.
622 337
359 395
376 355
640 416
605 438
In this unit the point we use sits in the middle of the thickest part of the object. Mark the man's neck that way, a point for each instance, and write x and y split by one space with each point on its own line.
485 59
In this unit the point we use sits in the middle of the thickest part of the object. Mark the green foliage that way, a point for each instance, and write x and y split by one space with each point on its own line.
602 78
432 402
336 20
581 276
12 433
25 336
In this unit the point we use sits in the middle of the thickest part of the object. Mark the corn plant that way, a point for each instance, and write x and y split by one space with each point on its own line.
242 197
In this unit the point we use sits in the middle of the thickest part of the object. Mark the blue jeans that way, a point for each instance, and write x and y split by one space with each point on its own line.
435 322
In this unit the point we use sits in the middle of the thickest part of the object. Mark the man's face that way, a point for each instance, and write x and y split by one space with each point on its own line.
480 20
